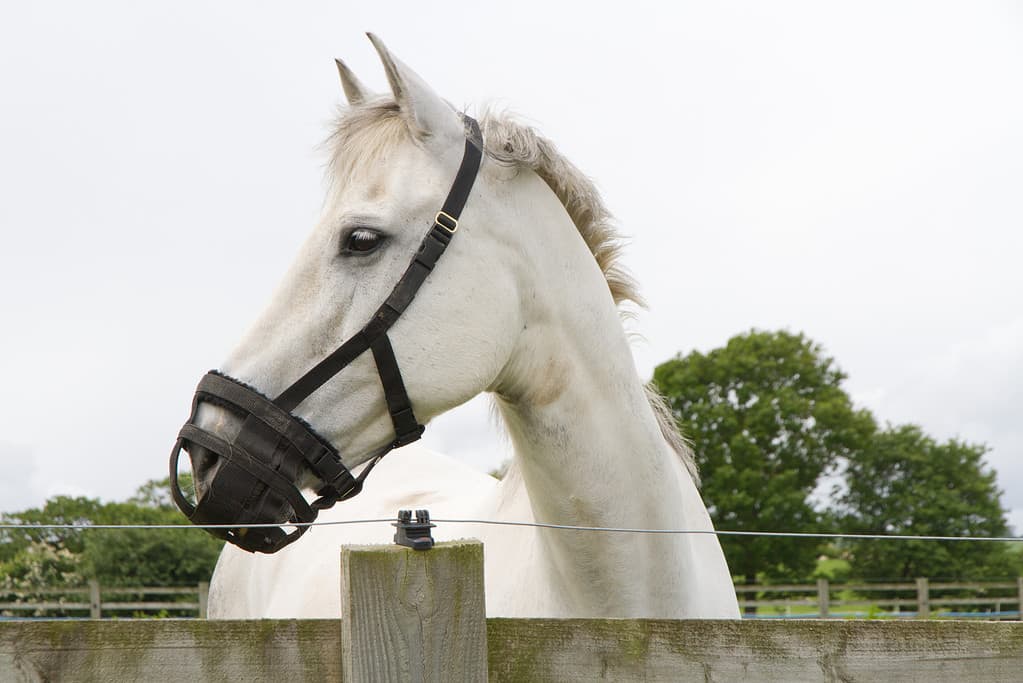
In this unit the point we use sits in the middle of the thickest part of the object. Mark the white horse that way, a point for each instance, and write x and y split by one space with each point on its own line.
524 305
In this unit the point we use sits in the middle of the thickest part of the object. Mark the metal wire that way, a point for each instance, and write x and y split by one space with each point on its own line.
538 525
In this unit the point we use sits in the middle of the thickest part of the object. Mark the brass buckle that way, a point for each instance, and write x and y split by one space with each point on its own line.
446 221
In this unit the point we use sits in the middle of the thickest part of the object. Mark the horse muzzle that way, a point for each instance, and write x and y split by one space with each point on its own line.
252 475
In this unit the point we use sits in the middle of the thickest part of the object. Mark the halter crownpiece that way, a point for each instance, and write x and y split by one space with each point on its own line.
254 481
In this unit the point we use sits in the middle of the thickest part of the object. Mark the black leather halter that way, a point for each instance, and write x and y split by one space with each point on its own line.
254 480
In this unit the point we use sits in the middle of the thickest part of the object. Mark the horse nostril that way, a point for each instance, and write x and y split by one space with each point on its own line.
203 462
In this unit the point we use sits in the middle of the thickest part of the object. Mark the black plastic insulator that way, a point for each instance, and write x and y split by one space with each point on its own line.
415 535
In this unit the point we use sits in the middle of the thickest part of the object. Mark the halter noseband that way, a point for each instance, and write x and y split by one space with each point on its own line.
255 475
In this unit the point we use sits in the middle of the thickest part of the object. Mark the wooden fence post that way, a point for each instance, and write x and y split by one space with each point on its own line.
413 615
204 598
95 612
923 599
823 598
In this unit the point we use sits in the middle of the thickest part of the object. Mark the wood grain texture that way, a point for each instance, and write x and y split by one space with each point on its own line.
784 651
170 650
413 615
533 650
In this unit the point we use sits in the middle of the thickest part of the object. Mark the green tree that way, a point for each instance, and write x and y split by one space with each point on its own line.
905 482
40 564
768 418
149 557
56 510
152 557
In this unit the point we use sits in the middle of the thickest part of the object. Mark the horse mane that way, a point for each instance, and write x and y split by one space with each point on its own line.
362 132
509 141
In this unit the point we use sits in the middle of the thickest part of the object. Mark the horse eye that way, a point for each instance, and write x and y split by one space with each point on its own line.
361 241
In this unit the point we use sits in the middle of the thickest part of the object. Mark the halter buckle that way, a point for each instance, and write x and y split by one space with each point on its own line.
446 221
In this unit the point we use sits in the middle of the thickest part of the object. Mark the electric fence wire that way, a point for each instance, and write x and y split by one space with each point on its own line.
538 525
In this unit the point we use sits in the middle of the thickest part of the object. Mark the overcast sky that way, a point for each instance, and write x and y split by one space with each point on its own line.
852 171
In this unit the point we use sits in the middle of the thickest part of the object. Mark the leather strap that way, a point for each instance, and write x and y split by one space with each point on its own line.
239 457
220 388
406 427
430 250
318 454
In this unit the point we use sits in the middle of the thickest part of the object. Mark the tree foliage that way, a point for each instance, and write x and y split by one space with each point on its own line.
32 558
905 482
56 510
768 417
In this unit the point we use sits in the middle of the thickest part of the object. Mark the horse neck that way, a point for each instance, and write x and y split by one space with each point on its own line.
587 443
585 437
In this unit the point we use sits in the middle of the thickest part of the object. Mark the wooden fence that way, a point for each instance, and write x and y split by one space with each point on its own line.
823 600
420 616
920 599
97 602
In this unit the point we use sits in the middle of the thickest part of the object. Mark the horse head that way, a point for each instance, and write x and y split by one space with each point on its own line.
371 334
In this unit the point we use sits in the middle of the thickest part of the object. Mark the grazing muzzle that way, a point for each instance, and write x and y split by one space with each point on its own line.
253 480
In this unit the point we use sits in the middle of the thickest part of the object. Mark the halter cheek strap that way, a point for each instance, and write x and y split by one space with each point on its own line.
373 336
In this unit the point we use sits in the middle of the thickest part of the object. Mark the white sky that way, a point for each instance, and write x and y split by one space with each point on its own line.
852 171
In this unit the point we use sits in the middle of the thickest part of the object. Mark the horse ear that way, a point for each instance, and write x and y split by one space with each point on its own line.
355 91
426 113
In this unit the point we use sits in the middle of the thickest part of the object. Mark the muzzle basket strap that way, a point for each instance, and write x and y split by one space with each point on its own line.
236 455
220 388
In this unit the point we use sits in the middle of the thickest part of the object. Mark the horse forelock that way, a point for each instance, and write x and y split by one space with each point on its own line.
364 132
361 135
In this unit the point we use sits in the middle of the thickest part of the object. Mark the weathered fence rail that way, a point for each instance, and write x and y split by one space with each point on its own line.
921 598
533 650
419 616
92 600
821 600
